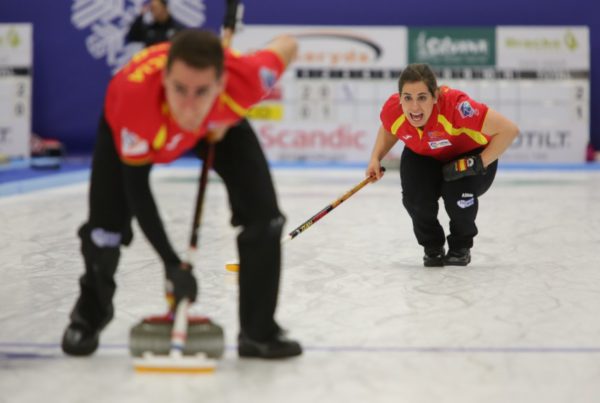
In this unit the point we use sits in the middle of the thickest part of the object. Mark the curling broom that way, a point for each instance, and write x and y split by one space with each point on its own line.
234 266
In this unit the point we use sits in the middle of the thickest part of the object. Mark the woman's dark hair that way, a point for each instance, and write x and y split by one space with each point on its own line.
197 48
418 72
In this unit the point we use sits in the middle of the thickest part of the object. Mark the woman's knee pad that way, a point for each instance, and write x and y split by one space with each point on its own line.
263 229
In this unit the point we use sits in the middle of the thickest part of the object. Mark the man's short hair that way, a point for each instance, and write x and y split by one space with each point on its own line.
197 48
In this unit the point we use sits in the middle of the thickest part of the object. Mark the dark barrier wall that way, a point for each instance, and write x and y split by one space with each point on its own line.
69 83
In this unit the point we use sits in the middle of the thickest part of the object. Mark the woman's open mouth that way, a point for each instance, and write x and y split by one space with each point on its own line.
416 117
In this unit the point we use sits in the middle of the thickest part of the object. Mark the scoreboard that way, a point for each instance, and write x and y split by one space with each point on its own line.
326 106
15 89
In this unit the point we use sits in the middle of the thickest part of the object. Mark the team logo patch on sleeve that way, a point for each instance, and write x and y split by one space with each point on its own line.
132 145
466 110
268 77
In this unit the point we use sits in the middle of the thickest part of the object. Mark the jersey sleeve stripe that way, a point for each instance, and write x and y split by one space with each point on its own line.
234 106
396 125
160 138
476 136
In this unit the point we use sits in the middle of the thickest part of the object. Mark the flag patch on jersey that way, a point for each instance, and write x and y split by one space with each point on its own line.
435 134
466 110
434 145
133 145
268 77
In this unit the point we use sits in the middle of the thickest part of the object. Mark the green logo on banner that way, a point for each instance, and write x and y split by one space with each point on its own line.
12 38
544 43
452 46
571 41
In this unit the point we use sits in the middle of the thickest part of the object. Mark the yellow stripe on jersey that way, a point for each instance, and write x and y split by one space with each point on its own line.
160 138
234 106
266 112
234 52
476 136
396 125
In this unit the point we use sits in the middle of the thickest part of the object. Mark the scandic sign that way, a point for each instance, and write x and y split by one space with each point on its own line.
340 138
452 46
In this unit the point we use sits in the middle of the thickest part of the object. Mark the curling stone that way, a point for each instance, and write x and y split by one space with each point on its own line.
153 335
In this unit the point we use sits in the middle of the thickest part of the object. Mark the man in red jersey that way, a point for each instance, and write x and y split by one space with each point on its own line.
452 144
169 99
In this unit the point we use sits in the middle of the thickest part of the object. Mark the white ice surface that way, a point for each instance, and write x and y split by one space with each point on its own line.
520 324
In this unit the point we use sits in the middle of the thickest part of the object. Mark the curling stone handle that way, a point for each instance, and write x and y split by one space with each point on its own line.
180 327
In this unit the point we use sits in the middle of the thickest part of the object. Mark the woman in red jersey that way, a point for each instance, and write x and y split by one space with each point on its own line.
451 147
169 99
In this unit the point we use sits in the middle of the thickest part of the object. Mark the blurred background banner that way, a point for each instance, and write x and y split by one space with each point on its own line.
543 77
326 107
548 93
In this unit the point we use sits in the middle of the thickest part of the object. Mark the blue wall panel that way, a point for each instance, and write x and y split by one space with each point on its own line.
69 83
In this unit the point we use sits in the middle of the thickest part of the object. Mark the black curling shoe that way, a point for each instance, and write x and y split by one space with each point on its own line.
434 257
79 340
277 347
458 257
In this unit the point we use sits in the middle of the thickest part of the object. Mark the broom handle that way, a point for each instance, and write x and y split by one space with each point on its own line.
327 209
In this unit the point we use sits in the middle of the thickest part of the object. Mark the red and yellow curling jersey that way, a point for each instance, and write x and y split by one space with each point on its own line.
454 127
137 111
